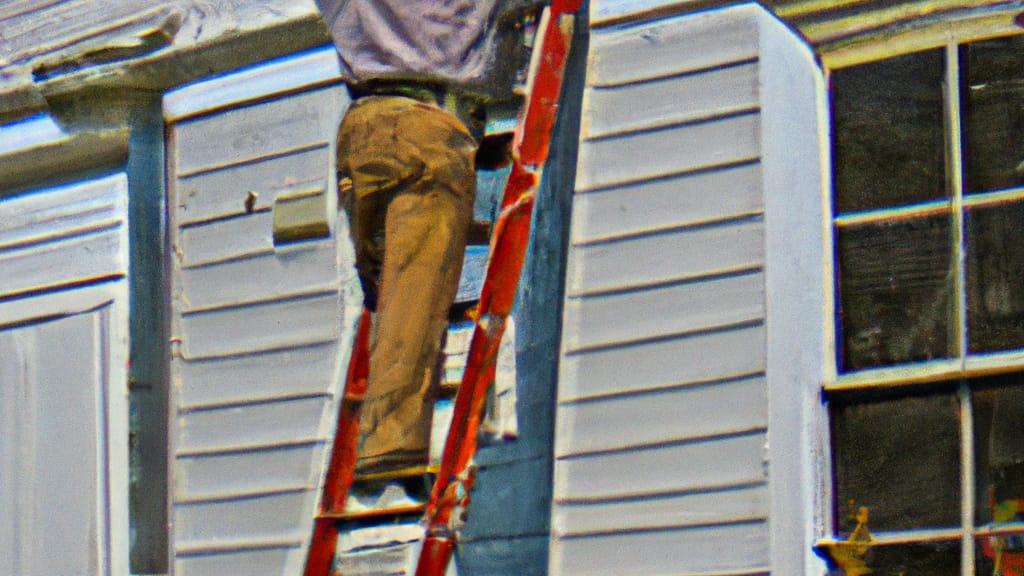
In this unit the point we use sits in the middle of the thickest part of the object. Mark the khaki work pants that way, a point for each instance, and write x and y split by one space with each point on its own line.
413 181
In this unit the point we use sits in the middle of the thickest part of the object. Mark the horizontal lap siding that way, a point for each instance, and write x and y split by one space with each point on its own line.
662 403
64 236
258 331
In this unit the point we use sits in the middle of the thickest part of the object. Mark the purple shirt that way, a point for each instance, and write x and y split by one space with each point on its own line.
472 45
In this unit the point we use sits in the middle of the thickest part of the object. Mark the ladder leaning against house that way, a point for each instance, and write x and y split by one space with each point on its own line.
455 477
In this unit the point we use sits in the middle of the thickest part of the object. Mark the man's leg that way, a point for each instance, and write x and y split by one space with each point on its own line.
415 162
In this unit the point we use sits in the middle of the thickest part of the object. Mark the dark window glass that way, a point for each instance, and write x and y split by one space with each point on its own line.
889 144
896 285
995 277
927 558
992 73
899 457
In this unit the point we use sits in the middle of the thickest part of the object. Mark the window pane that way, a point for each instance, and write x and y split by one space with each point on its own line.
895 290
995 277
889 145
925 559
900 458
993 103
999 450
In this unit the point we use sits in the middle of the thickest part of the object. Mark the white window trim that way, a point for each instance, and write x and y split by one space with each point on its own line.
800 323
796 167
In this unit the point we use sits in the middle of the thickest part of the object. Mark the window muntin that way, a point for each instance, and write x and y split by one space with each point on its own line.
930 289
923 273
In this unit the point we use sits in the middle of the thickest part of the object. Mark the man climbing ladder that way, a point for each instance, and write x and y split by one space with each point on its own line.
419 73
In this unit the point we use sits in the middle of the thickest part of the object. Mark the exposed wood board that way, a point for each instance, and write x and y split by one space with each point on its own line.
597 321
223 193
277 517
63 211
240 473
285 74
270 562
227 239
674 414
659 204
248 378
662 363
81 258
259 130
237 427
666 151
664 257
729 550
86 150
671 511
214 38
669 100
688 466
671 46
292 270
261 327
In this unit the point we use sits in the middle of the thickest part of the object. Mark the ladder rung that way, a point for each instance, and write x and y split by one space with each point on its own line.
410 472
372 513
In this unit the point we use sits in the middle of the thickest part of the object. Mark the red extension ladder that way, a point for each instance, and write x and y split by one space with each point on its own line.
508 250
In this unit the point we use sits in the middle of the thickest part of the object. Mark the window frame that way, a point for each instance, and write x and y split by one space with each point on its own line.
918 376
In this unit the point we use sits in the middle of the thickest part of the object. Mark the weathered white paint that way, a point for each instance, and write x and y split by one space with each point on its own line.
255 132
223 192
663 311
662 204
261 330
63 383
253 378
689 509
671 46
662 363
222 476
687 147
262 276
285 74
798 262
669 256
716 408
716 550
694 465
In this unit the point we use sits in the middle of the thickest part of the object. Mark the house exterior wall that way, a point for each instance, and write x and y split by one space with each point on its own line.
260 328
661 421
669 388
63 345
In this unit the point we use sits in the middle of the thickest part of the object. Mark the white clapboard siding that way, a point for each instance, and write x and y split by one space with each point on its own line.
717 550
660 441
259 329
223 192
63 400
65 235
224 475
258 377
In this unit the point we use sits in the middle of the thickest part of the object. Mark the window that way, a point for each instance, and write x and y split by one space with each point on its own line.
927 410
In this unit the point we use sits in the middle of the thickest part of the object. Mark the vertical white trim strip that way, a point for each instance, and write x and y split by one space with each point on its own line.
795 166
966 480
